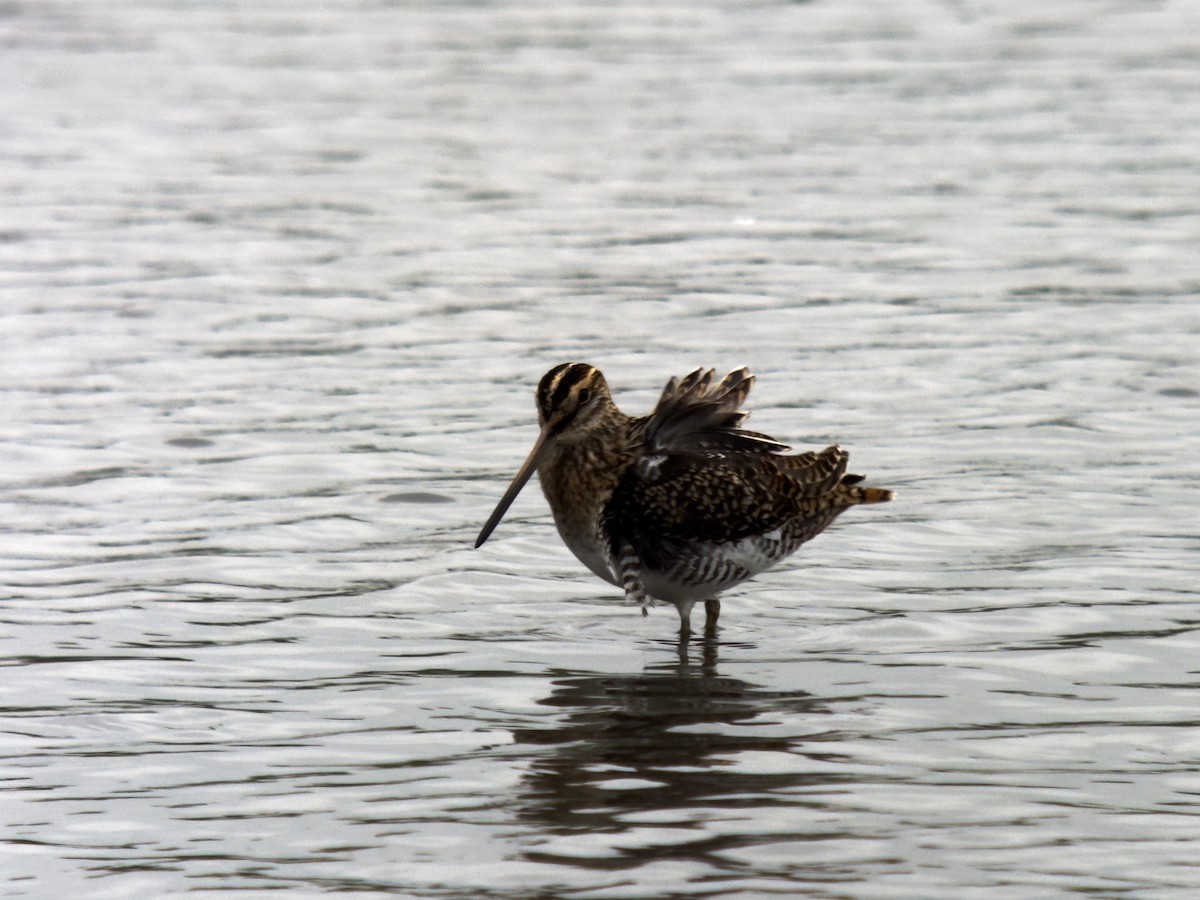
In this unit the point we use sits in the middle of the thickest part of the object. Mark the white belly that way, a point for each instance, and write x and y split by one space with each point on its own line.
706 570
698 573
592 554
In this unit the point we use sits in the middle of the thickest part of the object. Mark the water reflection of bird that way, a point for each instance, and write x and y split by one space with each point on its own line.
683 503
657 746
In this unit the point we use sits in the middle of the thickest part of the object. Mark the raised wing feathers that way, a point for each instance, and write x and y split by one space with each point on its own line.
699 476
695 417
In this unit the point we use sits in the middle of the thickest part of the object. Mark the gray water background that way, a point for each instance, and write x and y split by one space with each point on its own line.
276 283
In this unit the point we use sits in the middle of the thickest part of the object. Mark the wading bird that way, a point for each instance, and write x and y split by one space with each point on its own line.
683 503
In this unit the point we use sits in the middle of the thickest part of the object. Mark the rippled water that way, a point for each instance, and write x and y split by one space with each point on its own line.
276 284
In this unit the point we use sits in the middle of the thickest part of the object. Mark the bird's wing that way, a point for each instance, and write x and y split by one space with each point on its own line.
696 417
698 477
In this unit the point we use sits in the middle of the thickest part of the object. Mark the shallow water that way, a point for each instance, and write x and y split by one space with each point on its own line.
276 285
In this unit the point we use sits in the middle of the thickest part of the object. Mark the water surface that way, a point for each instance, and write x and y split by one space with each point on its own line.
276 285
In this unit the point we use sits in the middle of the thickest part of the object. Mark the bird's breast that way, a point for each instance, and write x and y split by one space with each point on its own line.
578 481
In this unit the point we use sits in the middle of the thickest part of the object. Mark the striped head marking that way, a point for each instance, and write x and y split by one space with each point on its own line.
570 399
570 396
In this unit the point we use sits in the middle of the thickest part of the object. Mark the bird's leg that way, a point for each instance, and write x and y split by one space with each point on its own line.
629 569
685 618
712 612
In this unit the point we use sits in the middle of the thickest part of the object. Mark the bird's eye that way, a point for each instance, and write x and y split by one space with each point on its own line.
584 396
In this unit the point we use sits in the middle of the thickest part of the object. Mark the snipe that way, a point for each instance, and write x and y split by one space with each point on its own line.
680 504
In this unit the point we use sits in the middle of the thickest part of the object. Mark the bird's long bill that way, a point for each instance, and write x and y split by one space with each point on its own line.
527 468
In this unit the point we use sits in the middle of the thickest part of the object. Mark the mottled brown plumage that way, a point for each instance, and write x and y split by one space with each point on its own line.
682 503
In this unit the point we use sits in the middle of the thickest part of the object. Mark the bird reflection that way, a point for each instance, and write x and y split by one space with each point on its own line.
675 726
